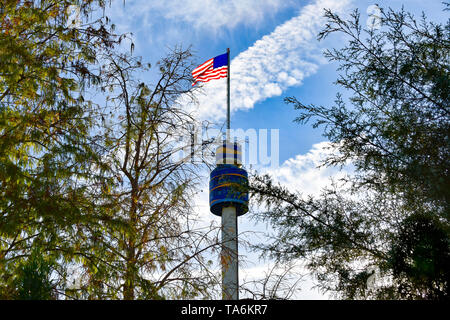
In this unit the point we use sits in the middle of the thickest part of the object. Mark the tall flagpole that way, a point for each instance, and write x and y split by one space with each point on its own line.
228 96
229 255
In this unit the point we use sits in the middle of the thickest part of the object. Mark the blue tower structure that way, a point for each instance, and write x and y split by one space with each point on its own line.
228 198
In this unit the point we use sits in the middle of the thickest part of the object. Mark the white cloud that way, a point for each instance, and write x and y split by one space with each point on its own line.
209 15
304 172
282 59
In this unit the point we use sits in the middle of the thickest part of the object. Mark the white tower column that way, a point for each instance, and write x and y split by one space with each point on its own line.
229 255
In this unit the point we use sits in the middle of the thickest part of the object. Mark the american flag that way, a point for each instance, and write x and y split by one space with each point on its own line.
211 69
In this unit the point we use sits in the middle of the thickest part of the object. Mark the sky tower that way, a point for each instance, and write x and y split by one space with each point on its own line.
228 196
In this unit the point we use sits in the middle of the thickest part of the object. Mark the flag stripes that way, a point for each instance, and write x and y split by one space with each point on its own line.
212 74
203 67
210 70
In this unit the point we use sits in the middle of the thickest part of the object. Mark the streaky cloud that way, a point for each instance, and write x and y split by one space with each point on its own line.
277 61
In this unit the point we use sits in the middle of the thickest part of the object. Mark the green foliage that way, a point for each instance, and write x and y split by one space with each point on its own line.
157 251
386 235
44 128
420 258
396 131
33 280
92 186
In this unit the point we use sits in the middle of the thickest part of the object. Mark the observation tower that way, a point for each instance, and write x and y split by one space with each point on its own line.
228 198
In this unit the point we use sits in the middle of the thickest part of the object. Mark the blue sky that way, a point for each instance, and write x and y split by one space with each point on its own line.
274 54
210 26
